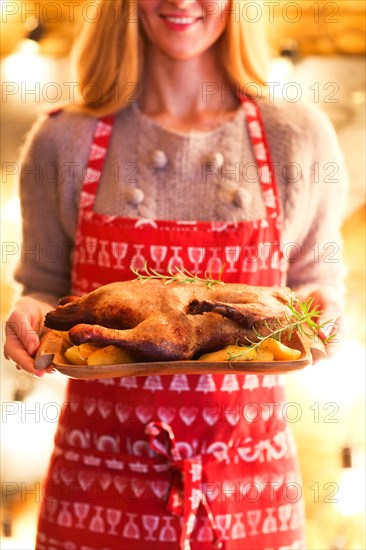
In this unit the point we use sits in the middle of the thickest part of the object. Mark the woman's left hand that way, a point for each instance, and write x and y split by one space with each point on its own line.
324 297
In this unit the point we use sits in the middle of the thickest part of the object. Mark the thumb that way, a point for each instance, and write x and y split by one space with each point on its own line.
329 329
330 334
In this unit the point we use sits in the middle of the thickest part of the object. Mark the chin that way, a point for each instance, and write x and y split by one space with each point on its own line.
183 54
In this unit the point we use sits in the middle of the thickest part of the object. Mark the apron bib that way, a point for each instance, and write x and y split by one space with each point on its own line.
174 462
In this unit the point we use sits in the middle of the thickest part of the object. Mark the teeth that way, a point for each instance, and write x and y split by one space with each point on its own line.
180 20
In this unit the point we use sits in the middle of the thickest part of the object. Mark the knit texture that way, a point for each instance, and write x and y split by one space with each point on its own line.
308 164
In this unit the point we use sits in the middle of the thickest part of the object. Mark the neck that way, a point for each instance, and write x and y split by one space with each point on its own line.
186 91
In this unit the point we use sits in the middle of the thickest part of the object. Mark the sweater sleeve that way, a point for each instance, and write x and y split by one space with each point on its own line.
314 248
45 264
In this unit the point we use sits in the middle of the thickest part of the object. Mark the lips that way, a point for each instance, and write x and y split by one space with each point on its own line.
180 22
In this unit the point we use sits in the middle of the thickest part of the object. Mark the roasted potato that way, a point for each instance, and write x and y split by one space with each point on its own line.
110 355
268 350
246 354
72 354
264 355
279 350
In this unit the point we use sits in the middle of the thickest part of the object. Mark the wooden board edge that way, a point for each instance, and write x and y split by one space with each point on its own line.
57 346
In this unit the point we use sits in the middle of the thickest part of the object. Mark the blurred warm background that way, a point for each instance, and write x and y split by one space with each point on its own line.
320 46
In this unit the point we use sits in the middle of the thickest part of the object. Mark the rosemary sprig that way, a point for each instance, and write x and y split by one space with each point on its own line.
181 275
300 317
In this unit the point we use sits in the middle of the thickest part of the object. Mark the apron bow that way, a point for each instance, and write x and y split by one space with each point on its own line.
186 492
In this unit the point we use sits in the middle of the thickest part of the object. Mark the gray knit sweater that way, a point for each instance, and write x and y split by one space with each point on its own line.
308 163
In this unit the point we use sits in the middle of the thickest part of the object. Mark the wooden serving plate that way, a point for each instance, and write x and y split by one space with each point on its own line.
52 348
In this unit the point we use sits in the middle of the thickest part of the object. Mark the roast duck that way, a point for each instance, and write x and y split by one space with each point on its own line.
178 321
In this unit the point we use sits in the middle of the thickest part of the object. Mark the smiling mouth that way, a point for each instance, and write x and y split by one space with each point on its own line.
180 20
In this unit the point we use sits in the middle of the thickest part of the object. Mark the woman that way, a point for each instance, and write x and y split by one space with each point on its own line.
171 162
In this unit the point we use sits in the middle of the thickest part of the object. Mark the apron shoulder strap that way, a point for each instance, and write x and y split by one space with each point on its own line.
262 156
97 155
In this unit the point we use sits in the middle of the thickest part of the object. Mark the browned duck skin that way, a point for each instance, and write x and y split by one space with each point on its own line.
169 322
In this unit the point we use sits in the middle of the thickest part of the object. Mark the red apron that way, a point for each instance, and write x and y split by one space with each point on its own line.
168 462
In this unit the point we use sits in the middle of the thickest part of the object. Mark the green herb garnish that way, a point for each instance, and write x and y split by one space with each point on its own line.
180 275
300 317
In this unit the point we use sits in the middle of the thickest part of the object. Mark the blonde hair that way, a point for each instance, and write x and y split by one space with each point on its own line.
108 55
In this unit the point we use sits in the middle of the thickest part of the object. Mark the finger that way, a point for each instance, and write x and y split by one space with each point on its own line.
330 334
16 352
26 327
329 329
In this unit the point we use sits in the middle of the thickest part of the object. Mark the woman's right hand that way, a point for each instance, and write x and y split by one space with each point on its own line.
23 330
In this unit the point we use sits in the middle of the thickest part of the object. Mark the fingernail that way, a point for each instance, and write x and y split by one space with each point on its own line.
39 374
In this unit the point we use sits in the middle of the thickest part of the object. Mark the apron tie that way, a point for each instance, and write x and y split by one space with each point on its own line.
186 491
